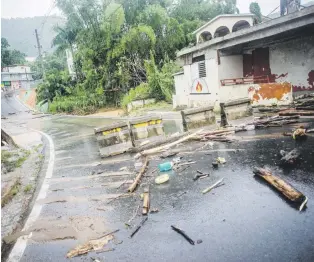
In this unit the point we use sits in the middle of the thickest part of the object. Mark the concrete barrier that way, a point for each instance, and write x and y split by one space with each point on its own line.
237 108
197 117
113 139
148 128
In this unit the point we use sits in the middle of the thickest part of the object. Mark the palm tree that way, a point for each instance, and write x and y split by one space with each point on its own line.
65 39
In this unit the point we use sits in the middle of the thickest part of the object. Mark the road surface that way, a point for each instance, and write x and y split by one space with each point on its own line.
244 220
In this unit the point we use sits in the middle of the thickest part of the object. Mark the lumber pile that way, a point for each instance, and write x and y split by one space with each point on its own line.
217 135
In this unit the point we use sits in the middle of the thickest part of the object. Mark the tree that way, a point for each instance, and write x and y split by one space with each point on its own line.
10 57
256 10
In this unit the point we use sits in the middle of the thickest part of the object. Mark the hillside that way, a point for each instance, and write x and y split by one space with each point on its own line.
20 32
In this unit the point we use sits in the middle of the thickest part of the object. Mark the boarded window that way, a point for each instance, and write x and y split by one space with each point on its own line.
201 69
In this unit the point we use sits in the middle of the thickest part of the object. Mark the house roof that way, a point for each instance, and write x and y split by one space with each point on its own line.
221 16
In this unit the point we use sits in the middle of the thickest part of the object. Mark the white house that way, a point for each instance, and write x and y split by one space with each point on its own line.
235 58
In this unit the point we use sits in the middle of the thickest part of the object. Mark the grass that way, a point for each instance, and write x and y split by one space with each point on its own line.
28 188
8 196
12 160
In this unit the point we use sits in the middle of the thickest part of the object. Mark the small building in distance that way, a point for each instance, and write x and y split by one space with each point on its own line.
16 76
235 58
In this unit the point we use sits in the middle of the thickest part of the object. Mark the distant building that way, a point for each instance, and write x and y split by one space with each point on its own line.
17 76
234 58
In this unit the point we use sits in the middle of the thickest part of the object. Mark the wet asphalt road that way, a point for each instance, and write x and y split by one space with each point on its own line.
244 220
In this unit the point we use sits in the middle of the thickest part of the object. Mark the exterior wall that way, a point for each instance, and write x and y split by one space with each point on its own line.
140 103
15 85
260 94
270 94
182 91
228 21
231 67
293 62
227 93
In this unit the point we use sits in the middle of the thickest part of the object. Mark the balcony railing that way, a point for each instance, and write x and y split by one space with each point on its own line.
245 80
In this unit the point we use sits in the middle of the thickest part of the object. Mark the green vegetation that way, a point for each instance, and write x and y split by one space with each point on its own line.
9 56
122 50
11 192
256 10
28 188
12 160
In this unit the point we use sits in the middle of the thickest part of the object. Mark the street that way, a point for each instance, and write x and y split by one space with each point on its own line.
243 220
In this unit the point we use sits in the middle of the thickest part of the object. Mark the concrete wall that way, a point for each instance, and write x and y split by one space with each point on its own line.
293 62
197 117
231 67
223 20
260 94
139 103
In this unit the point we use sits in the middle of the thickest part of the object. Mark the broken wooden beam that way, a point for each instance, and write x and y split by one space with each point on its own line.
283 187
146 202
138 177
295 113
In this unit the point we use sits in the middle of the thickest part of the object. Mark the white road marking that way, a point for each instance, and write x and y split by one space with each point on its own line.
20 245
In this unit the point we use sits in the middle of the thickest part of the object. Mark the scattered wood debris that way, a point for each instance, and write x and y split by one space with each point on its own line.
138 227
167 146
212 186
146 202
299 133
154 210
92 245
139 176
200 175
286 189
182 233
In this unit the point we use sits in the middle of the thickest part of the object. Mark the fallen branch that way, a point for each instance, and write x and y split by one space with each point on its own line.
164 147
283 187
115 198
212 187
146 202
138 177
138 227
182 233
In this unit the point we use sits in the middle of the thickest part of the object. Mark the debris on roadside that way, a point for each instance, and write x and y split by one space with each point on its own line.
146 202
153 210
299 133
199 241
123 168
182 233
218 183
138 227
221 160
105 250
138 177
289 157
215 165
164 167
167 146
200 175
168 154
162 179
91 245
283 187
217 135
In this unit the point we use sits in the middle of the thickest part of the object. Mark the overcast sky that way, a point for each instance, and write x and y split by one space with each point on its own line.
30 8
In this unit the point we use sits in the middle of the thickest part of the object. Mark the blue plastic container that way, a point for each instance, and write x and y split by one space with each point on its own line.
165 166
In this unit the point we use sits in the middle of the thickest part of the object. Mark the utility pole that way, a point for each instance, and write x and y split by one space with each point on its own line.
39 52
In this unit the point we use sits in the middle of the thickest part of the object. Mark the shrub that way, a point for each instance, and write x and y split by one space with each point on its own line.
142 91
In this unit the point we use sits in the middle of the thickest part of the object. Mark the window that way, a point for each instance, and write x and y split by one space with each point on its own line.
198 58
201 69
